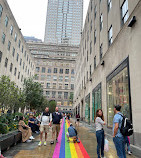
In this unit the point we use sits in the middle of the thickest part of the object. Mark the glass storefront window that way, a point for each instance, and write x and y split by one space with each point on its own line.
87 108
118 94
96 100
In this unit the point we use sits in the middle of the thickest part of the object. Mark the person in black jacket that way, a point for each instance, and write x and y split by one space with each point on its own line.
57 120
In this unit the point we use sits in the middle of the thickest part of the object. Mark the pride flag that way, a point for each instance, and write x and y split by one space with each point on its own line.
63 149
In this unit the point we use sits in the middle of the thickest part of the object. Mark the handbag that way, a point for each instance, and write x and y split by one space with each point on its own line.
25 127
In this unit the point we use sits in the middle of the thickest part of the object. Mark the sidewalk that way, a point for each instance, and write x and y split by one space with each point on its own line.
86 135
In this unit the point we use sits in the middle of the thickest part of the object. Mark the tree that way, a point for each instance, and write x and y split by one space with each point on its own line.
33 92
52 106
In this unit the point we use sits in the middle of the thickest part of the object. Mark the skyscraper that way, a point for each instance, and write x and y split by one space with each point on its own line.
64 22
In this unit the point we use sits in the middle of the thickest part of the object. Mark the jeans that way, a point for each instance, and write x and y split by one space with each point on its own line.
127 142
120 146
100 142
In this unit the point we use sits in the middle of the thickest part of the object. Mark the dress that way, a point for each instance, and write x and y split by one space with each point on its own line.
26 133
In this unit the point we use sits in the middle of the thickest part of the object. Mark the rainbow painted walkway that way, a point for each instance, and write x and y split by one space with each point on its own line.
64 149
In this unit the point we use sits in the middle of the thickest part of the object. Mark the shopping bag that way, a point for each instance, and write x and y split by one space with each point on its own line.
106 145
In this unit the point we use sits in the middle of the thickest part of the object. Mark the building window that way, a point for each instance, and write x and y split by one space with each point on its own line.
19 75
110 35
15 37
72 71
9 45
0 56
11 30
22 78
124 12
66 86
67 71
61 71
3 38
13 52
59 95
109 5
17 56
54 85
65 95
118 92
88 17
19 43
94 36
37 69
87 108
26 69
72 86
60 78
55 70
87 55
87 35
66 78
49 70
6 62
91 5
22 49
87 76
72 78
6 21
91 25
15 71
20 62
60 85
11 67
47 94
95 12
1 9
43 77
90 47
48 77
95 62
43 69
25 54
90 70
54 78
53 94
101 22
23 65
101 51
48 85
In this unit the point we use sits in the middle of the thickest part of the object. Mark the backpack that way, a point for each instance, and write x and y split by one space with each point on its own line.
126 127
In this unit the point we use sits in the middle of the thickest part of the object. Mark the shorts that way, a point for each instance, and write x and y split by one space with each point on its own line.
73 137
56 127
78 120
44 128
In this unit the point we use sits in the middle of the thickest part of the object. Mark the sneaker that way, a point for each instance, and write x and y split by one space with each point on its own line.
52 142
129 153
32 138
45 143
56 140
40 143
103 157
29 140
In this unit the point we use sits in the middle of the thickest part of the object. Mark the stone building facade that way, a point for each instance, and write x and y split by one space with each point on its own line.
15 58
55 70
108 63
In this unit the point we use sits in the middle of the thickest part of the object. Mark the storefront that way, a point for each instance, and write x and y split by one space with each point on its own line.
118 91
96 100
87 108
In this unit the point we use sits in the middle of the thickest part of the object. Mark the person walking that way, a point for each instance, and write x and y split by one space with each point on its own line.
99 123
77 119
127 141
45 120
57 120
118 138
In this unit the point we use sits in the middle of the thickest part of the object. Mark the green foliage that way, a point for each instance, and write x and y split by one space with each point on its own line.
52 106
3 128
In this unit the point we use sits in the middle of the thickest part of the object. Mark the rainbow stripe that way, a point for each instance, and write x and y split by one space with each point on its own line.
63 149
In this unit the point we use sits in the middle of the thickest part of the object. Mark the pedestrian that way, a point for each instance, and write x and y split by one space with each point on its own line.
127 141
45 120
118 138
99 123
77 119
72 133
57 120
31 122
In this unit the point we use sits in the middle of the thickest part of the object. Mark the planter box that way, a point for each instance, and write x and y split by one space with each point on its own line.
7 140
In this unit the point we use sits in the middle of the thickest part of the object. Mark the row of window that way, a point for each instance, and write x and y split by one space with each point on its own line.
61 95
55 70
60 86
55 78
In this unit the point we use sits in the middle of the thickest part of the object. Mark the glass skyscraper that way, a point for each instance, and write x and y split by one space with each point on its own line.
64 22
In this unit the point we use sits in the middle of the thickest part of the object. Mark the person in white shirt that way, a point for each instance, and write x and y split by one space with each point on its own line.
45 120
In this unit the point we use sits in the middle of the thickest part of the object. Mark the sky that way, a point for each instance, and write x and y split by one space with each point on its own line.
30 15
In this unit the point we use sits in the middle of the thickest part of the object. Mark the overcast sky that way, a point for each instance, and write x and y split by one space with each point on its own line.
31 16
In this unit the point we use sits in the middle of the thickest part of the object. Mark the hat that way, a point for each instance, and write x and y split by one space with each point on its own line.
70 124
